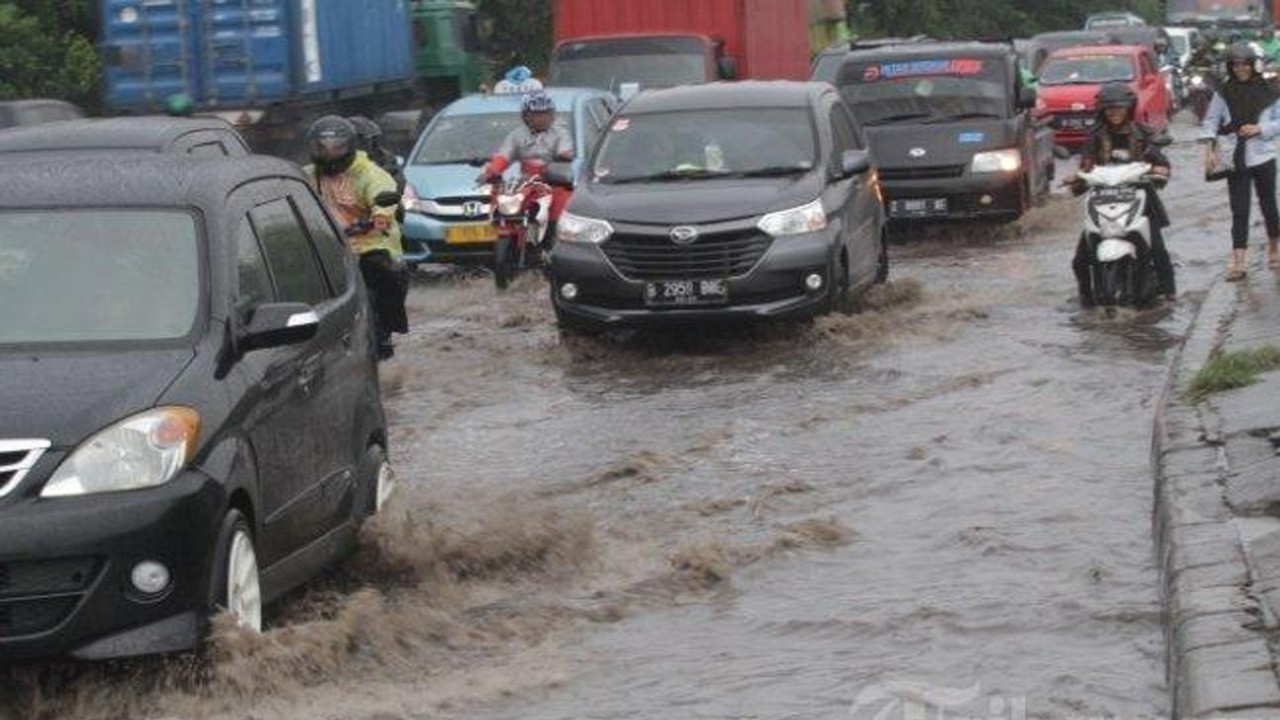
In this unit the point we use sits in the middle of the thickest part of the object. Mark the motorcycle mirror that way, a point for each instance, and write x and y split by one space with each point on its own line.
387 198
1060 152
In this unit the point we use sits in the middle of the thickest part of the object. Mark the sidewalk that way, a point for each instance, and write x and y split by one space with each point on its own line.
1217 514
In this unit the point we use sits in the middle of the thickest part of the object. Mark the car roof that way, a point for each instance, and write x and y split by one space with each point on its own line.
154 133
744 94
158 180
927 49
1099 50
477 103
35 102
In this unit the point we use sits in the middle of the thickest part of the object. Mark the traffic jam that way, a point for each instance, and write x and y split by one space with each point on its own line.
728 365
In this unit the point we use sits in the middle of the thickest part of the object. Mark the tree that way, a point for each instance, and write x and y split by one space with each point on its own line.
48 50
516 32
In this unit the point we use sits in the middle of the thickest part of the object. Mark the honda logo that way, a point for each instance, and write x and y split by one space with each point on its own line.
684 235
472 208
917 152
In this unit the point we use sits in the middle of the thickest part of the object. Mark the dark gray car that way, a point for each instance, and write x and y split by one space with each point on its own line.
749 200
199 136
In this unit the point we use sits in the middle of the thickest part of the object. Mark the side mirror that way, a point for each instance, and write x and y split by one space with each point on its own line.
278 324
1061 152
1026 97
400 161
559 175
854 162
728 68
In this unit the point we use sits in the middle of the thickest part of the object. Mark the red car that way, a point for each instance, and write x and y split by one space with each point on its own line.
1071 77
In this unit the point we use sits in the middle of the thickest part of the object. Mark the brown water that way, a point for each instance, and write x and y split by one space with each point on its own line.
944 498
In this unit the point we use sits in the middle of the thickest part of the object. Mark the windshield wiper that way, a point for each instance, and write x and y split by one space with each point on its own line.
897 118
670 175
774 171
964 116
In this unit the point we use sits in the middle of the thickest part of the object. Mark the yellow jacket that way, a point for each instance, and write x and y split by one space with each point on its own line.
349 198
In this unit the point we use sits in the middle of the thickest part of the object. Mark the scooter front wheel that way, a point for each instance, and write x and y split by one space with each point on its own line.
503 261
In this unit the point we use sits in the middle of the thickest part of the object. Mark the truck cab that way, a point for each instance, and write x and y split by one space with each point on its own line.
448 56
950 128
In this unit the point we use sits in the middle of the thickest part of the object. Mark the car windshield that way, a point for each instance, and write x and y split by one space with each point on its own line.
918 91
1086 70
699 144
474 138
93 275
649 62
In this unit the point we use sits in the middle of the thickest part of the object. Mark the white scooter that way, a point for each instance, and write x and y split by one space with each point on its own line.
1118 230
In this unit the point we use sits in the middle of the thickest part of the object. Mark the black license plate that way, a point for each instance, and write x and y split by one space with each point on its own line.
1075 123
682 293
918 207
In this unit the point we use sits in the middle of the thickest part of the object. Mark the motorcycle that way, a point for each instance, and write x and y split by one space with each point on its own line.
387 281
1202 83
1118 233
520 209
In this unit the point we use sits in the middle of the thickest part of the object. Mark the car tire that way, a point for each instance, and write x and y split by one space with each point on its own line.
882 262
378 483
570 325
237 587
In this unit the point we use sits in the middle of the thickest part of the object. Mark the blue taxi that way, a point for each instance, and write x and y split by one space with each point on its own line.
446 213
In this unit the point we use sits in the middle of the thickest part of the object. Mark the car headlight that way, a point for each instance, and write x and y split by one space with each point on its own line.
142 451
413 203
1009 160
575 228
807 218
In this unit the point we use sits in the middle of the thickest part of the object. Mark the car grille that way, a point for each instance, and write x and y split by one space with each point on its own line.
37 595
922 173
712 255
16 458
461 208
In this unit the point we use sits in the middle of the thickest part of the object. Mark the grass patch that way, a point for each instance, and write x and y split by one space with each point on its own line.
1227 371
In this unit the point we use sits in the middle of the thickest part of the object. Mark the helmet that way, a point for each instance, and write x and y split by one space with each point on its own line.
331 140
537 101
1117 94
366 129
1242 52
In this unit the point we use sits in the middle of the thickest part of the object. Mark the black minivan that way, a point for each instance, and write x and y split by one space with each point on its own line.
191 417
748 200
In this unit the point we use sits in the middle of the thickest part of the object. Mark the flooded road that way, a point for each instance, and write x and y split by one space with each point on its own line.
940 501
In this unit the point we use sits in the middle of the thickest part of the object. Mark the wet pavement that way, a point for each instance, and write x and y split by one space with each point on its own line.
943 500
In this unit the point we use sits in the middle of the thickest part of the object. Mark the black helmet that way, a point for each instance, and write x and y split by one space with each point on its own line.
1117 94
332 144
366 129
1242 52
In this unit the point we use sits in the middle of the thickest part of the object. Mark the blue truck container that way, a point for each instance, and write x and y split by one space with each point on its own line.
231 55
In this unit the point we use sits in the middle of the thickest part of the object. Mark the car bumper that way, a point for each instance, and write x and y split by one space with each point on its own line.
424 241
773 289
67 565
975 196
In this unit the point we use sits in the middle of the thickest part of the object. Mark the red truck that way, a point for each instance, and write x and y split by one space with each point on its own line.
621 46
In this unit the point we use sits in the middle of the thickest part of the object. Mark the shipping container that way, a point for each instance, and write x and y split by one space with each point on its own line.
765 39
252 54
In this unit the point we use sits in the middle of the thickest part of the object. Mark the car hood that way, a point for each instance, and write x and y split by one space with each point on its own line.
434 181
923 145
1073 98
694 201
64 397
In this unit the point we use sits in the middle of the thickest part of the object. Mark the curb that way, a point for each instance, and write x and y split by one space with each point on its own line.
1218 660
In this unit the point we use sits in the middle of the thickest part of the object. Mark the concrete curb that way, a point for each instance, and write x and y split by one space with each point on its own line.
1218 660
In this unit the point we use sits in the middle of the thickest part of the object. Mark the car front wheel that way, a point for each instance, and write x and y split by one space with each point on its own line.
237 588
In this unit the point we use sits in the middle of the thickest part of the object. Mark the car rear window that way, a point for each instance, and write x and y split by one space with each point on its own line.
93 275
1086 70
702 143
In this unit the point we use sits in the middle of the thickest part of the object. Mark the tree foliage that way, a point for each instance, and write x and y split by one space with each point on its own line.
959 19
517 32
47 50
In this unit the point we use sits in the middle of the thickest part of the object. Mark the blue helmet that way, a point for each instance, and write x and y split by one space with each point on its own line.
536 102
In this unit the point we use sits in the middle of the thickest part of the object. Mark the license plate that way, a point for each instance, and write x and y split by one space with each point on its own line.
464 234
1114 194
686 292
918 207
1075 123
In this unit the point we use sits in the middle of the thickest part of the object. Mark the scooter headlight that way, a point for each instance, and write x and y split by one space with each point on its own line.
1196 80
509 204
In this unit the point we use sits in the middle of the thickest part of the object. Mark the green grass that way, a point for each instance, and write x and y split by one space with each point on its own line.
1226 371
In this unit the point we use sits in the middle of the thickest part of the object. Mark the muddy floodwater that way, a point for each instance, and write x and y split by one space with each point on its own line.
941 501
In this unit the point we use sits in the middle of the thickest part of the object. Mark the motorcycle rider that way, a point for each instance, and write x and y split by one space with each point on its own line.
1246 106
1117 137
356 191
369 136
538 140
